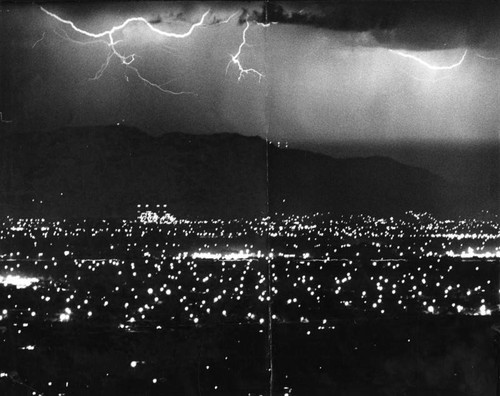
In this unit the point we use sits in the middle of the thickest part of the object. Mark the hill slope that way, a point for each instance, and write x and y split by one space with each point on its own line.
107 171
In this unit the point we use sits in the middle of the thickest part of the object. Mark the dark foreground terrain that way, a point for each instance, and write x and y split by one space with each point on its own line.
404 356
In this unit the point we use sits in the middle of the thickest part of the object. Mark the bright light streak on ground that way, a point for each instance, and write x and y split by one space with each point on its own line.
20 282
241 255
470 253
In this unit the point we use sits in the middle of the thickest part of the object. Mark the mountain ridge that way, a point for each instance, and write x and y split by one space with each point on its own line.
106 171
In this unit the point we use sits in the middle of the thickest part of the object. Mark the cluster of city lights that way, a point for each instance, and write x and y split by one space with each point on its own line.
136 275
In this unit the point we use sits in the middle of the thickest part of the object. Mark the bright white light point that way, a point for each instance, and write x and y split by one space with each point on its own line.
427 64
430 308
133 364
150 291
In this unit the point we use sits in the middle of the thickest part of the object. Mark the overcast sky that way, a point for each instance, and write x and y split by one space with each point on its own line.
332 72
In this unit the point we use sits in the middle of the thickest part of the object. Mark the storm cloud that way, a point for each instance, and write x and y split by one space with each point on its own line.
414 25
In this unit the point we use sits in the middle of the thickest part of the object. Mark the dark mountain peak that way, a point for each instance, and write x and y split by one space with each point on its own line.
103 171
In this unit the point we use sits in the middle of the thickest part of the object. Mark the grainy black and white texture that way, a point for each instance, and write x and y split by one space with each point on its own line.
250 198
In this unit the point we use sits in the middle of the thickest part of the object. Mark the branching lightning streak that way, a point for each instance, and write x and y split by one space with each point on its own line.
65 36
487 57
4 121
114 29
427 64
228 19
126 60
235 59
40 39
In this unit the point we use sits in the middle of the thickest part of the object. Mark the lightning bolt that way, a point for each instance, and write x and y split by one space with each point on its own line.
429 65
65 36
4 121
114 29
228 19
235 59
487 57
107 37
40 39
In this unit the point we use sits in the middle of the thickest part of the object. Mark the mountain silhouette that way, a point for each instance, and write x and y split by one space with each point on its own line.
106 171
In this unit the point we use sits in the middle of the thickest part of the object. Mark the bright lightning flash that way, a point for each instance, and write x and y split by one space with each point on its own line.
235 59
107 38
429 65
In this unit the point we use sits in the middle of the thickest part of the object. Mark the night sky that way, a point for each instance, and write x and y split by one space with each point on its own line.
341 73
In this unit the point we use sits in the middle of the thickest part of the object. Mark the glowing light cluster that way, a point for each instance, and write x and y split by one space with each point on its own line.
471 253
150 217
20 282
234 256
315 269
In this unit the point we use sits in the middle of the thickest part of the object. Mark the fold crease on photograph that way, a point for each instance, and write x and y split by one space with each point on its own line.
250 198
